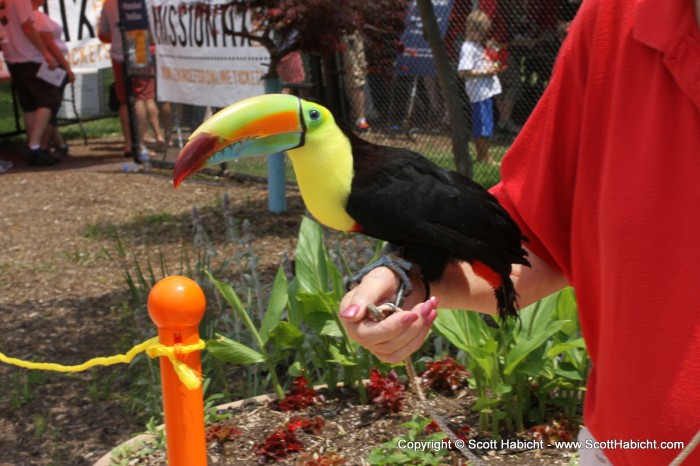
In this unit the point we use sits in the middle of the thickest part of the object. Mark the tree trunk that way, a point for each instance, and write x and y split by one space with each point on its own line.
447 77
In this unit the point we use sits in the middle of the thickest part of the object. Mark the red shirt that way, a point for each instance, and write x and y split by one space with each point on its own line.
605 181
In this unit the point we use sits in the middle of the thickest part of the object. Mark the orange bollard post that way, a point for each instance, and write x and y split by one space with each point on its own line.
176 305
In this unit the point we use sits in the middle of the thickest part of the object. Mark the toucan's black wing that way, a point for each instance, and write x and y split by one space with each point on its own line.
439 215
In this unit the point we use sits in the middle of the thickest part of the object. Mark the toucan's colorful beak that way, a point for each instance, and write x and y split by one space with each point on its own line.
259 125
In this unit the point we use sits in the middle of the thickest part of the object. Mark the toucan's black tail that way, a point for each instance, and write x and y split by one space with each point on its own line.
506 298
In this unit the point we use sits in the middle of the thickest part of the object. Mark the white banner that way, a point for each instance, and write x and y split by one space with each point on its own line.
79 20
198 61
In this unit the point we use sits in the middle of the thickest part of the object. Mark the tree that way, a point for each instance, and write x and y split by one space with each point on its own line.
309 26
449 87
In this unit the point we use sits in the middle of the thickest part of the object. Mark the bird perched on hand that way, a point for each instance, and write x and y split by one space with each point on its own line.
433 216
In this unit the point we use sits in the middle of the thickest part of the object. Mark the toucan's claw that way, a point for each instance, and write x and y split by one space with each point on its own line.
379 313
399 266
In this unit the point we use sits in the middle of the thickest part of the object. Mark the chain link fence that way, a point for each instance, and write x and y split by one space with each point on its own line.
403 100
389 90
383 82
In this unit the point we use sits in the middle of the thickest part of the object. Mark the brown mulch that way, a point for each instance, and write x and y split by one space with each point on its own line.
61 287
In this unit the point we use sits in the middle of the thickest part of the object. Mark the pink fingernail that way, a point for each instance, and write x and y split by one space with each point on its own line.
350 311
428 306
409 318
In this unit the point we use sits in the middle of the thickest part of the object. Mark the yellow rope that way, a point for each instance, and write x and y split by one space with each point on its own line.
152 347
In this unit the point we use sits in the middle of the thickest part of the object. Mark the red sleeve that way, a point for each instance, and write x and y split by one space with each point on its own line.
539 172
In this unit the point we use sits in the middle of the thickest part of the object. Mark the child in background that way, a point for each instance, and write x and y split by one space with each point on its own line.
480 81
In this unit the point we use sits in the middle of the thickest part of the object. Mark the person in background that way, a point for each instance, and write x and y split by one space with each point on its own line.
480 81
24 52
50 32
144 88
291 71
5 165
608 207
354 77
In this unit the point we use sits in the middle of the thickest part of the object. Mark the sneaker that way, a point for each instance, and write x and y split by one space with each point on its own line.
60 152
40 158
142 158
362 125
5 166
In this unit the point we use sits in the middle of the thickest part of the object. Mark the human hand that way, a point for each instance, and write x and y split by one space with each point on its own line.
51 61
399 335
71 75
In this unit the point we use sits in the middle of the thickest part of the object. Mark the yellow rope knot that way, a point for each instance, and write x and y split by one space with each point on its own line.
153 348
187 376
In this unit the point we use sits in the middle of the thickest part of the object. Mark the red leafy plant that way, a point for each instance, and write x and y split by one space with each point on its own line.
307 424
282 442
463 432
444 375
221 433
386 391
278 445
300 396
554 431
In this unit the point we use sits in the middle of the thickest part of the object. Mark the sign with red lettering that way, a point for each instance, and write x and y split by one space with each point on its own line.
200 60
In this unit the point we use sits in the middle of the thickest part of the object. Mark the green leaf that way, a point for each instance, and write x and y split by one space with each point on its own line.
287 335
317 321
295 370
309 258
277 303
525 346
230 296
464 329
316 302
228 350
566 346
340 358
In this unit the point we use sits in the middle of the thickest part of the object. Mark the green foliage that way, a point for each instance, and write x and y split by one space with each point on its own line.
311 332
400 450
544 358
231 351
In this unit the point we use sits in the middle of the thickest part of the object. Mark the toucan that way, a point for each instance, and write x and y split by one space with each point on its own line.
431 215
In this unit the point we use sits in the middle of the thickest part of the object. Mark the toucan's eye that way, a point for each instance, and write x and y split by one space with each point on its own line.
315 115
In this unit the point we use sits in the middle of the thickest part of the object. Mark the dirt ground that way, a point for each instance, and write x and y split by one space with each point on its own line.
60 286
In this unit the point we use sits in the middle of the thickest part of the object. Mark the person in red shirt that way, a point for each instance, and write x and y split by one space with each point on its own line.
603 180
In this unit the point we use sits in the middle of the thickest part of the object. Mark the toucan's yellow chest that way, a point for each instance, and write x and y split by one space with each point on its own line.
324 171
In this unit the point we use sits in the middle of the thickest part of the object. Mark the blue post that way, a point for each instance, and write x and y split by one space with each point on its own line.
276 180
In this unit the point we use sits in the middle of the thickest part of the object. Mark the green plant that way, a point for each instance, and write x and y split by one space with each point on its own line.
319 288
231 351
158 433
20 390
544 358
415 447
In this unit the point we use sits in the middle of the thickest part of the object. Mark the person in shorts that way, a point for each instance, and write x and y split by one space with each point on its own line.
480 81
24 52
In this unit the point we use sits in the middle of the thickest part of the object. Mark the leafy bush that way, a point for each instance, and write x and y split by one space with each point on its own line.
545 359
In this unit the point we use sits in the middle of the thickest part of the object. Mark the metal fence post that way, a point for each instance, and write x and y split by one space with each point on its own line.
276 180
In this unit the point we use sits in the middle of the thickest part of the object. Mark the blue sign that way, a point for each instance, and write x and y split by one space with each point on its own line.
134 15
417 58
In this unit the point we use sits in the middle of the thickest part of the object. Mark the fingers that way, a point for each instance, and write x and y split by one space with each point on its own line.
377 287
398 336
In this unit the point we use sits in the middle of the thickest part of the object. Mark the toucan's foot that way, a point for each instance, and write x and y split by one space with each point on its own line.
379 313
399 266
